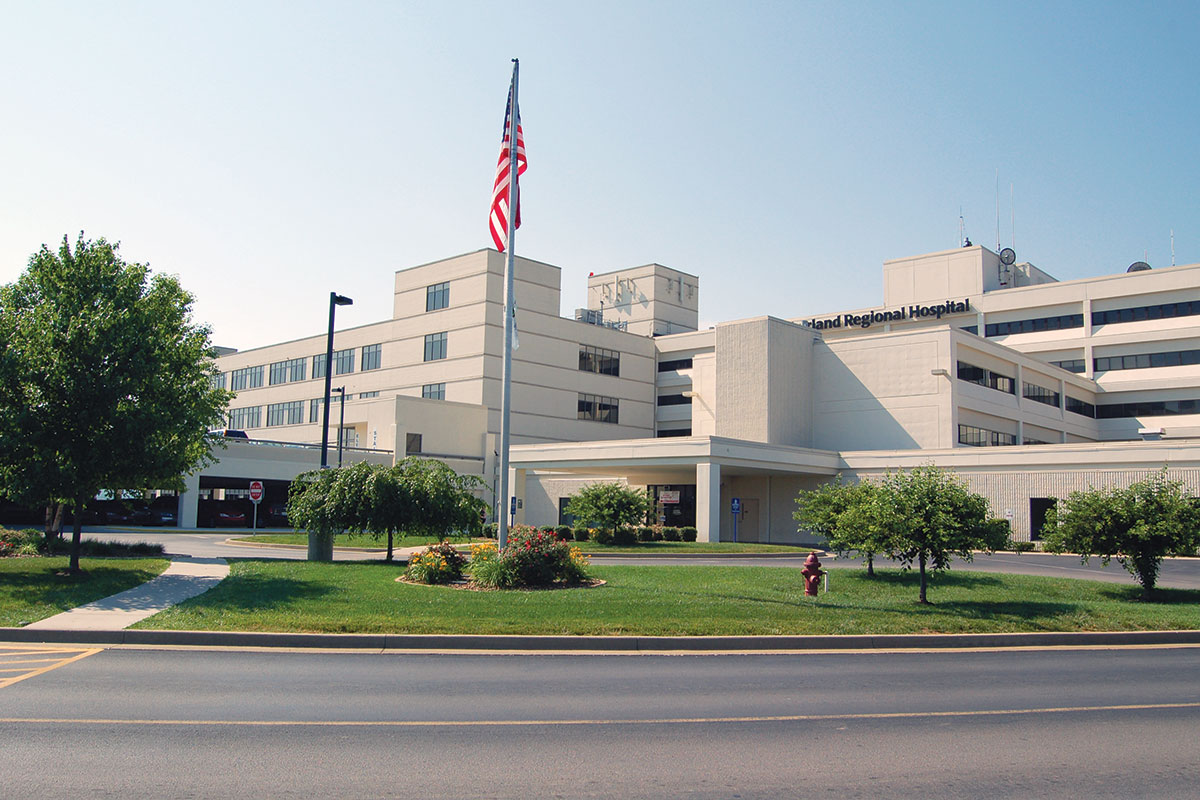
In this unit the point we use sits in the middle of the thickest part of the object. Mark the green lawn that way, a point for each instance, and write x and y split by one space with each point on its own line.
32 588
668 600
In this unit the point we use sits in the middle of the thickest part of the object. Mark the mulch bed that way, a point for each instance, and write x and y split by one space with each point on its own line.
471 586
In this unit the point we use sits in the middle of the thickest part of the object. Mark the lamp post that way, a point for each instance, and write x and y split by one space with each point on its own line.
335 300
341 421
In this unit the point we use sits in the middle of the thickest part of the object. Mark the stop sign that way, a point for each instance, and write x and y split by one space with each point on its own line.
256 491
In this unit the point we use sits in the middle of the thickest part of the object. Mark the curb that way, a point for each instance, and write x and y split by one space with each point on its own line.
559 644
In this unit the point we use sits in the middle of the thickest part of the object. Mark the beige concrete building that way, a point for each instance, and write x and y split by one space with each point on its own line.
1027 386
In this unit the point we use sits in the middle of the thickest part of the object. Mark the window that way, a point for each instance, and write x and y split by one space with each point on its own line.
599 360
367 395
247 378
1139 313
291 413
349 437
435 346
596 408
1071 365
1061 322
674 400
287 371
1171 358
437 296
970 329
314 409
371 356
982 437
1080 407
412 444
985 377
1040 394
343 361
673 432
1031 440
242 418
434 391
671 366
217 381
319 366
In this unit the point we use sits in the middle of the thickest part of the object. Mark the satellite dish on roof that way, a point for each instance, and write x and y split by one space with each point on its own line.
1138 266
1008 256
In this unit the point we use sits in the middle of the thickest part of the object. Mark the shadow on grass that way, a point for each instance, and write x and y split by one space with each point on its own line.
1133 593
254 592
958 580
1025 611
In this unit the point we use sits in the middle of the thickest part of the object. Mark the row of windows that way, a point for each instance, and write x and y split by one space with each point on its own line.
1061 322
1040 394
290 413
1173 358
596 408
599 360
982 437
673 433
1148 408
985 377
242 418
1076 365
674 400
217 381
674 364
293 369
1140 313
1081 407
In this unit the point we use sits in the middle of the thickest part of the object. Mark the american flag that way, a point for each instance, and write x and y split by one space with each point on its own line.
498 220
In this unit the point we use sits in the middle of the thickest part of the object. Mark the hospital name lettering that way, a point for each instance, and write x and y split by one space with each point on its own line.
898 315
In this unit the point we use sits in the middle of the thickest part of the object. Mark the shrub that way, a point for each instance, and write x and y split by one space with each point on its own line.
562 533
438 563
672 534
490 530
580 534
532 558
547 529
645 534
26 542
1020 546
601 535
688 533
624 537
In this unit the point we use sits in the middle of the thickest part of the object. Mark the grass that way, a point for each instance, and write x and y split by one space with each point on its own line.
668 600
33 588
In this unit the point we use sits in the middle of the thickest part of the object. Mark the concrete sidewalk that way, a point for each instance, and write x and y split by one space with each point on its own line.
184 578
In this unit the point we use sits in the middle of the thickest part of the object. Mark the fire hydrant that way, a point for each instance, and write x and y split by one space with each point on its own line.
812 573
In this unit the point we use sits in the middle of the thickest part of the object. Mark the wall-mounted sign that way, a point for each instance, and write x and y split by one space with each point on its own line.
668 496
901 314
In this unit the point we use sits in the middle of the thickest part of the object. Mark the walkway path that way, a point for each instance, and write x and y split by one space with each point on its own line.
184 578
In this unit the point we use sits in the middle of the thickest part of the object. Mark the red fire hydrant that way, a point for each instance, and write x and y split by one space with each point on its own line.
812 573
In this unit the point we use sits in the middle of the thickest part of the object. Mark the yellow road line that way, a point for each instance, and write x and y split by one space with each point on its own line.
56 663
562 722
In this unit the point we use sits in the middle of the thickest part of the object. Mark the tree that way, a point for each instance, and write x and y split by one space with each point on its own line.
840 512
610 505
1138 526
105 380
309 508
928 516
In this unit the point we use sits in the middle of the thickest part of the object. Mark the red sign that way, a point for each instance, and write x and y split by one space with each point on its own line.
256 491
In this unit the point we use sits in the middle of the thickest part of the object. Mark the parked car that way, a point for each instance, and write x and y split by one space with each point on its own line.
275 516
155 514
220 514
229 433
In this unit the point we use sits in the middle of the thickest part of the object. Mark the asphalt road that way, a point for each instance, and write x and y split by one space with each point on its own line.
1178 573
1053 723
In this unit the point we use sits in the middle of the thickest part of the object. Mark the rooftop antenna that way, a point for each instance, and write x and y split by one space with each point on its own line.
1013 222
960 227
1172 247
997 208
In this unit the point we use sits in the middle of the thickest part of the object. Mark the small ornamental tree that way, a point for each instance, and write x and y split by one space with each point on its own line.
1138 526
928 516
105 380
841 512
610 506
310 508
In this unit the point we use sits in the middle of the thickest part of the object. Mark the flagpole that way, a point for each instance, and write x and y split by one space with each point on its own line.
506 372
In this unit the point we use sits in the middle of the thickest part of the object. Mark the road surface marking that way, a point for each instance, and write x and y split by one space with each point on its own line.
56 657
559 722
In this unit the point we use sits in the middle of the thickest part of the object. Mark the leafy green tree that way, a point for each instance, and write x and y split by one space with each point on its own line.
841 513
105 380
1138 526
610 505
927 516
310 507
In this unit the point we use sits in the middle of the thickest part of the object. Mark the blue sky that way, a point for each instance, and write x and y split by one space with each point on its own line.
268 153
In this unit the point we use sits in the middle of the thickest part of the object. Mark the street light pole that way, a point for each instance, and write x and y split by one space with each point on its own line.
341 421
335 300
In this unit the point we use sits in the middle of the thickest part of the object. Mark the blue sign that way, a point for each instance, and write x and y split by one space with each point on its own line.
736 505
512 506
